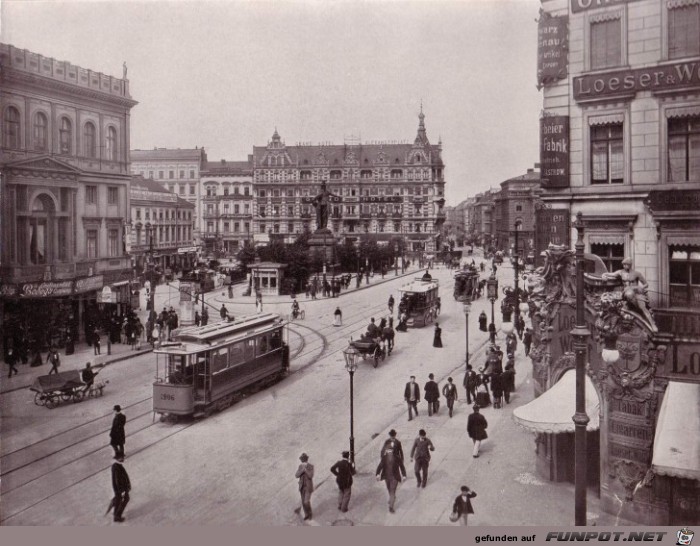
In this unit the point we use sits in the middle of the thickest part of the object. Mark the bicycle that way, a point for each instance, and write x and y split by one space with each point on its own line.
301 314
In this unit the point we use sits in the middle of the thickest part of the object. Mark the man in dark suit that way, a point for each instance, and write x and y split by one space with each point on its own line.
463 506
117 435
476 429
121 485
305 473
392 471
412 396
421 453
449 391
343 471
470 383
432 395
394 444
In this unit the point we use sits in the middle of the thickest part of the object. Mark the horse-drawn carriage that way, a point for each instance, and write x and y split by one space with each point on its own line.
51 390
420 301
370 348
466 284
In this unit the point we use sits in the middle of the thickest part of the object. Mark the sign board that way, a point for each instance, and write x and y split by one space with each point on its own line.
554 151
552 226
578 6
186 291
88 284
128 239
682 362
46 289
187 249
552 48
673 200
106 295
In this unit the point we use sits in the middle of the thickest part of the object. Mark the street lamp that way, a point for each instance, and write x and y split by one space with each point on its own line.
516 315
580 335
351 355
492 294
467 309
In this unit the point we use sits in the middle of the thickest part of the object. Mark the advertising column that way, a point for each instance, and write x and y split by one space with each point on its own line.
186 303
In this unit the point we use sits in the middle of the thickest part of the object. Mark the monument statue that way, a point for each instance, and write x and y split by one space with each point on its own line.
322 204
634 289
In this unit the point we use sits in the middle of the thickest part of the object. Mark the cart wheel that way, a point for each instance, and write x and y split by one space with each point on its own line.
51 401
39 399
302 314
78 395
66 395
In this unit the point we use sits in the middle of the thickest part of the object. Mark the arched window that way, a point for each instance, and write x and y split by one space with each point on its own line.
90 138
65 133
11 134
41 132
111 144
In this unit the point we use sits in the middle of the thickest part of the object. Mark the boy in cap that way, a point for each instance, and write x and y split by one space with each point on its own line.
343 471
305 473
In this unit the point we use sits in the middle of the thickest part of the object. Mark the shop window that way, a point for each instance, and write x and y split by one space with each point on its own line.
607 154
684 276
683 30
91 243
91 195
612 255
41 132
606 43
683 149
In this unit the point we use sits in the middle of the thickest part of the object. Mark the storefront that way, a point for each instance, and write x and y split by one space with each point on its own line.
267 277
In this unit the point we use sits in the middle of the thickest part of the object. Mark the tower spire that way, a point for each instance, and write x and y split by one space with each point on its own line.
422 136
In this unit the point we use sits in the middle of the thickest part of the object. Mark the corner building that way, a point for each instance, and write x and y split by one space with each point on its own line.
620 143
383 190
64 197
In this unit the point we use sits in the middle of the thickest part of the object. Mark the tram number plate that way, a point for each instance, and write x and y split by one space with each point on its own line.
164 396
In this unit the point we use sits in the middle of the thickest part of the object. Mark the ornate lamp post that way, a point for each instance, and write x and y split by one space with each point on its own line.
516 310
351 357
580 335
467 309
492 294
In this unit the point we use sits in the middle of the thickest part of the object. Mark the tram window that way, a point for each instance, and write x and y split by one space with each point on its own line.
276 339
249 349
236 354
262 344
219 360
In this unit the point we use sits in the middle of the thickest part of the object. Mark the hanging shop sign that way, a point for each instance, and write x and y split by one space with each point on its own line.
578 6
552 49
46 289
554 151
106 295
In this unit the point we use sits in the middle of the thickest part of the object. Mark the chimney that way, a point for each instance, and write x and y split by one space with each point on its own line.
530 171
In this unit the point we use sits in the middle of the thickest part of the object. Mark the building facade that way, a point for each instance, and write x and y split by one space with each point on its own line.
162 228
178 171
516 203
64 196
619 144
482 219
227 205
381 190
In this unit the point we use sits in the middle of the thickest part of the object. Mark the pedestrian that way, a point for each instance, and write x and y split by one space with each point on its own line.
337 317
343 471
437 337
412 396
70 344
476 429
388 334
258 303
402 326
422 446
497 389
121 485
462 505
96 341
391 304
54 359
392 470
11 360
483 320
197 318
511 343
230 291
117 435
305 473
205 316
527 341
508 377
432 395
223 312
449 391
470 384
482 392
394 444
520 326
88 377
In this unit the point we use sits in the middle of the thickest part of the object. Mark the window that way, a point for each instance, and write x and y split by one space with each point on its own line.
226 207
262 228
290 228
276 228
683 149
683 31
150 175
66 136
684 273
91 242
262 210
607 159
91 195
246 191
171 174
192 189
236 227
236 209
606 43
112 145
262 193
191 174
247 227
227 227
90 138
112 195
518 208
113 238
612 255
182 190
210 227
225 191
160 174
41 132
290 210
138 214
11 134
182 174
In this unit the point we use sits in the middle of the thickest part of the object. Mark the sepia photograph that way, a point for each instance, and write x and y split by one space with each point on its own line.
372 263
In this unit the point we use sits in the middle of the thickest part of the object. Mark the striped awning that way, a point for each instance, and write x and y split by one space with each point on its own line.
606 239
611 119
690 111
677 438
683 240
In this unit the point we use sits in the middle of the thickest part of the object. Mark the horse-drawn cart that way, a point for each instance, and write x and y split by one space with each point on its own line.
420 301
370 348
51 390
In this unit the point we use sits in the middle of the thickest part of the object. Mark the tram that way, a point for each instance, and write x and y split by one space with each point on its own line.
205 368
466 284
420 301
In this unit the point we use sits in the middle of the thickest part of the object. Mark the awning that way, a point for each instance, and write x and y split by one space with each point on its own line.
683 240
606 239
553 410
677 442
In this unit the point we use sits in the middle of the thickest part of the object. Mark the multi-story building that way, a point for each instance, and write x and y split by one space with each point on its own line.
162 227
64 196
381 190
178 171
482 225
619 145
227 205
516 203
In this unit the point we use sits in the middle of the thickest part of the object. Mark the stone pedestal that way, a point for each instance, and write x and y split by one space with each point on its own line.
322 242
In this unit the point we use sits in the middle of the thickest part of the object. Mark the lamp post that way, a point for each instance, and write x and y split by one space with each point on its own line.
351 357
467 309
516 310
580 335
492 293
150 266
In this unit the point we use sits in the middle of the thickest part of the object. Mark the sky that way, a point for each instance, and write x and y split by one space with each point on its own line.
224 74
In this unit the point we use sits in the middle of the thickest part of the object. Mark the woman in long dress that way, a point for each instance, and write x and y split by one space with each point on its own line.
437 338
338 317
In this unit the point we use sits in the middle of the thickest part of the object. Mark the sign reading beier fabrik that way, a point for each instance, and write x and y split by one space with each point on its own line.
552 46
554 151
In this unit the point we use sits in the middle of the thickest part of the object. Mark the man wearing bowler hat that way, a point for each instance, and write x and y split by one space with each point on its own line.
121 485
305 473
343 471
117 435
